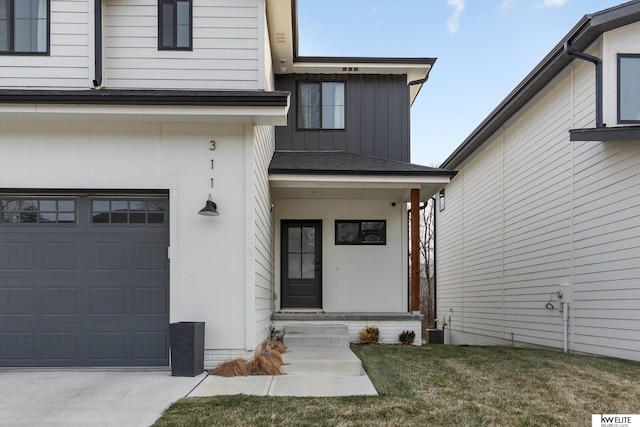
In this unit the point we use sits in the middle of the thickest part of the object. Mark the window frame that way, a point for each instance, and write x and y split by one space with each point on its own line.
361 238
11 36
619 89
320 82
174 3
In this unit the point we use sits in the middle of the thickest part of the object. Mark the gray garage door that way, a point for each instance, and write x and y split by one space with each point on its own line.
84 280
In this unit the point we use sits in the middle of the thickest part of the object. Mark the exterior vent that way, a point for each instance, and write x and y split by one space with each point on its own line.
349 68
280 38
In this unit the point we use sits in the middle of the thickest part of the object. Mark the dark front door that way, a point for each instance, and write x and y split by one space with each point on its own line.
301 264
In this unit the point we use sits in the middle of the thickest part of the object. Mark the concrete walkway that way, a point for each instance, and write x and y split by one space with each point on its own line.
309 372
81 398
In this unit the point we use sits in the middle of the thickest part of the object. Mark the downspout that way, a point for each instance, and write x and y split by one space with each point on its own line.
97 81
435 246
598 63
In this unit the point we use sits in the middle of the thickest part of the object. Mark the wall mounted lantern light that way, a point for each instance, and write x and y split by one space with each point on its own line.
210 208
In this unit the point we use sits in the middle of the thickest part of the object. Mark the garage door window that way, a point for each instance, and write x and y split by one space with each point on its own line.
37 211
128 211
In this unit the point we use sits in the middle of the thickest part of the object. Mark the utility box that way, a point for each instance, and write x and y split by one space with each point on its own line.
186 340
434 336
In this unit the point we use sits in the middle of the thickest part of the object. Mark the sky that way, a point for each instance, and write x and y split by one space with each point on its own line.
484 49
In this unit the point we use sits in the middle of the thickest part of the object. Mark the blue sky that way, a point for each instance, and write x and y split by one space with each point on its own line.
484 50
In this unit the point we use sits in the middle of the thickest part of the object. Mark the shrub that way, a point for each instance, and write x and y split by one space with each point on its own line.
369 335
407 337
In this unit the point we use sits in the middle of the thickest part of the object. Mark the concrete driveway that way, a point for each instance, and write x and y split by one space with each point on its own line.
72 398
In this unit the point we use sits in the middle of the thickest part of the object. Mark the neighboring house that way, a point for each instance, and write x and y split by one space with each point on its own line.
546 199
119 119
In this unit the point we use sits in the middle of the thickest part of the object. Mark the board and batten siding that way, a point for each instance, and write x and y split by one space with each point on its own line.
70 62
227 40
264 251
531 213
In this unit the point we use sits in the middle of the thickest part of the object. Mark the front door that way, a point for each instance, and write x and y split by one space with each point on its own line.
301 264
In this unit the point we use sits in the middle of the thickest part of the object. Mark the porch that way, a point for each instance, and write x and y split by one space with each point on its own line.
390 325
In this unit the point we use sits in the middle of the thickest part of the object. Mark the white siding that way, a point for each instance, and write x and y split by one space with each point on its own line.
70 63
264 253
226 47
531 213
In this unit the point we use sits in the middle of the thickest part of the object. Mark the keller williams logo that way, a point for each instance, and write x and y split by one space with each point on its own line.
615 420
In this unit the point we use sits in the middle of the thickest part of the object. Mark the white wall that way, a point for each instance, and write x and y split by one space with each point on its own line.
208 257
531 213
70 63
354 278
226 47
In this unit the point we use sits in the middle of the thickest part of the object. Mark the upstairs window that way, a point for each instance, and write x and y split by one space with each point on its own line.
24 26
629 88
321 105
175 24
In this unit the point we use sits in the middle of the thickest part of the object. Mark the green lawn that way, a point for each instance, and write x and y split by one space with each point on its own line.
443 386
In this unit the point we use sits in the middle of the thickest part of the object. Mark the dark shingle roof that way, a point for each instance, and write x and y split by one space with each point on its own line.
343 163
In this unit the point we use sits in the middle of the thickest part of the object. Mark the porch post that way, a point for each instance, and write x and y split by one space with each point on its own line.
415 249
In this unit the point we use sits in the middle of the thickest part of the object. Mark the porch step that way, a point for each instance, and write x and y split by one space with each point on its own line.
326 362
316 335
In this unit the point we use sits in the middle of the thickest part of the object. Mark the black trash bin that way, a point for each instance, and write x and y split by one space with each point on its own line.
187 348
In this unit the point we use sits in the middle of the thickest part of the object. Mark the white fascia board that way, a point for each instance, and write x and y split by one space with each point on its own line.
351 181
256 115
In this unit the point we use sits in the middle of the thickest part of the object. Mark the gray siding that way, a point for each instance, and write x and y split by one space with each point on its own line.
376 118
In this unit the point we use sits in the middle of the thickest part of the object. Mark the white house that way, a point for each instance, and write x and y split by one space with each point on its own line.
120 119
538 234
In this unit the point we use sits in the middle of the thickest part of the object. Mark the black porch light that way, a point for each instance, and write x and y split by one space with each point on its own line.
210 208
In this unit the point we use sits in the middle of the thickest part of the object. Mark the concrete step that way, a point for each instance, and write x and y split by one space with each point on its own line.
316 335
320 341
326 362
316 329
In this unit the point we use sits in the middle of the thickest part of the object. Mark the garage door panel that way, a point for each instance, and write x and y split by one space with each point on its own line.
84 294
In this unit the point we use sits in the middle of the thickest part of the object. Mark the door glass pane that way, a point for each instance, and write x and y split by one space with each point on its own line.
66 206
119 205
294 239
294 266
308 266
308 239
48 217
48 205
138 205
66 217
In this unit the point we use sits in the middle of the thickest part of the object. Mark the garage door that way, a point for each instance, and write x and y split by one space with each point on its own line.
84 280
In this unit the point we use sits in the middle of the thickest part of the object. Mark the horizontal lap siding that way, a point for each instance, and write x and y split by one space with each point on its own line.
607 249
537 225
225 47
264 254
69 64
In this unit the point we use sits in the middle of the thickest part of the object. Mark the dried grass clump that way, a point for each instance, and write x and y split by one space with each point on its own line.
265 363
369 335
232 368
279 346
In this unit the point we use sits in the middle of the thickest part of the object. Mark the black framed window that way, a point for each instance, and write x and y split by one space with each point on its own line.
321 105
175 24
361 232
24 27
441 200
629 88
37 211
128 211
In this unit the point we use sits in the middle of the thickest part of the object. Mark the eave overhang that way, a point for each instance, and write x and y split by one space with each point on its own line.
621 133
283 35
586 31
257 107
